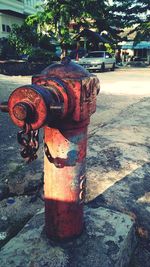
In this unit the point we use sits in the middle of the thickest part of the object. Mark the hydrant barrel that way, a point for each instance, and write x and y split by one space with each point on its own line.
65 152
64 181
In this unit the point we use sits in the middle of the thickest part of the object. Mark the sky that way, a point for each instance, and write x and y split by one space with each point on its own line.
110 1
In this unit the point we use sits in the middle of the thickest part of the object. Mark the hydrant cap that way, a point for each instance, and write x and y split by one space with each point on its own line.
66 69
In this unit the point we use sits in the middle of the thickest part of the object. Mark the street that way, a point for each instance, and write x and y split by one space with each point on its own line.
118 169
121 122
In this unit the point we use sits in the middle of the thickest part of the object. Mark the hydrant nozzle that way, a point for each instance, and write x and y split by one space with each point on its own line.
23 112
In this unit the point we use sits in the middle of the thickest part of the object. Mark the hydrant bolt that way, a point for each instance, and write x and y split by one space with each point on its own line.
4 106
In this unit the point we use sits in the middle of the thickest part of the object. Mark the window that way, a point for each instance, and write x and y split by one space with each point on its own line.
107 55
3 28
6 28
95 54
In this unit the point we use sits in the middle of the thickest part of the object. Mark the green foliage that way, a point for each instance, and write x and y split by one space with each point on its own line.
59 14
7 51
130 12
44 43
133 12
143 32
56 16
22 38
25 40
110 48
41 55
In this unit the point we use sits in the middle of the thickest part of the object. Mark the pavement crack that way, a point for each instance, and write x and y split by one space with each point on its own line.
94 131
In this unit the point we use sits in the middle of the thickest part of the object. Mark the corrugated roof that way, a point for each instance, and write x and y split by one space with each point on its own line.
133 45
94 36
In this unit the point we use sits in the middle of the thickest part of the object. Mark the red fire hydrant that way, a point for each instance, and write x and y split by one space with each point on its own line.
61 99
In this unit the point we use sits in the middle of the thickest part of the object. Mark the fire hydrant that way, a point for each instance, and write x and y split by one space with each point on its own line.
61 99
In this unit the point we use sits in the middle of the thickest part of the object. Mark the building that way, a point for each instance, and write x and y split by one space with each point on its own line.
14 12
139 51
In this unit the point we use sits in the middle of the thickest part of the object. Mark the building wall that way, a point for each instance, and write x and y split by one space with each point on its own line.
6 22
15 5
22 8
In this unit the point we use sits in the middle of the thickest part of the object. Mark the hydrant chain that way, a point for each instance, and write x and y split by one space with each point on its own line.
29 140
58 161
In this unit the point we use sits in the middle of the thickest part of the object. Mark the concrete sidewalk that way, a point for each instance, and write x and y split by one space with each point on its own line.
108 240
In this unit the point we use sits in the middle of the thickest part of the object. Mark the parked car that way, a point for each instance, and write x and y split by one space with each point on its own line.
98 60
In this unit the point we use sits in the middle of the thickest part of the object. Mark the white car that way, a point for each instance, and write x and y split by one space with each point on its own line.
98 60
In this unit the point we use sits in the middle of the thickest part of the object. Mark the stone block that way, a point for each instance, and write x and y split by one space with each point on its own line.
108 240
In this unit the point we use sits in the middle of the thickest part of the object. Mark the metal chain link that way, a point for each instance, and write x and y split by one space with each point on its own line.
29 140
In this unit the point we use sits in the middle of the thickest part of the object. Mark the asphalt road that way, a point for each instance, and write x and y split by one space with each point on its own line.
119 90
10 157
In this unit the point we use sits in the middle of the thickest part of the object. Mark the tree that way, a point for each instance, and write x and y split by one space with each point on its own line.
23 38
60 14
62 19
143 29
143 32
134 13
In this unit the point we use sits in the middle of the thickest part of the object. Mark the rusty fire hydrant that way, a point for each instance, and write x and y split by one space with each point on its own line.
61 99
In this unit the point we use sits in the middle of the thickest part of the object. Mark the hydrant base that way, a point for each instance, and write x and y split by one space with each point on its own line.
67 226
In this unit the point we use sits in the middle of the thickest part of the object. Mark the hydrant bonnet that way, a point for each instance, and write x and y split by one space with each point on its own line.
65 70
